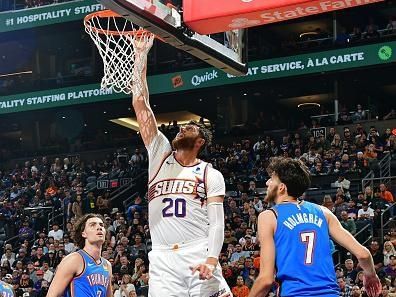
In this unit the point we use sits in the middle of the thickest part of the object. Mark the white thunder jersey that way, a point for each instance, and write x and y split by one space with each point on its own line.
177 195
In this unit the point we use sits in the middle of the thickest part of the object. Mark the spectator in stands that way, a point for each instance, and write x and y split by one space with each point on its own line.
337 170
345 289
258 204
356 292
328 202
68 245
103 204
359 114
359 279
25 283
340 205
368 193
77 207
123 266
52 261
90 203
318 168
48 274
377 255
32 272
385 194
388 251
348 223
345 162
343 183
126 287
249 232
247 265
138 269
251 278
240 290
378 204
124 241
390 269
248 245
40 256
229 238
348 135
39 280
238 253
44 289
138 246
137 159
22 257
350 272
25 232
366 213
360 165
56 233
388 140
252 190
8 256
330 135
391 26
352 210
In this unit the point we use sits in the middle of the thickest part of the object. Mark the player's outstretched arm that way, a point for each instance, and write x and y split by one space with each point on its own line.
266 227
70 266
344 238
144 114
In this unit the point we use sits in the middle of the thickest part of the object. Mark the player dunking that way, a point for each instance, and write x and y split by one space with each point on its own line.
186 214
294 238
6 290
85 272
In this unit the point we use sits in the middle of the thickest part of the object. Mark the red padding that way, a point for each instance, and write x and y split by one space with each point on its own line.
213 16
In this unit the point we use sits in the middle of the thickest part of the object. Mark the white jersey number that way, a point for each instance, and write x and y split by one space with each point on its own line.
309 239
175 208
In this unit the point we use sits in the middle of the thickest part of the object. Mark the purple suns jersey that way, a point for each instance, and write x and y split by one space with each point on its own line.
304 263
93 281
6 290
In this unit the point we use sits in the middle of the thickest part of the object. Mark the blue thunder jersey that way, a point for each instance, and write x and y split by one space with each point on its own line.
93 281
304 262
6 290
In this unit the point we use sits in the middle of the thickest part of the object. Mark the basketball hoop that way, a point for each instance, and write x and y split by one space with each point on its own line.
123 47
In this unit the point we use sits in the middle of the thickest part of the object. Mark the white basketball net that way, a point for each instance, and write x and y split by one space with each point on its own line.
123 47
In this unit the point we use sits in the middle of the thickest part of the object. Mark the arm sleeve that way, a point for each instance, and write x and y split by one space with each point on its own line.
157 150
216 229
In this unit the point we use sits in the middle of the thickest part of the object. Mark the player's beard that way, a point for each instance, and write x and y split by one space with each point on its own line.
184 143
271 196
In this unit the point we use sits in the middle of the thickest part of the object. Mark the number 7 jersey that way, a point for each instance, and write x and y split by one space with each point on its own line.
177 195
303 259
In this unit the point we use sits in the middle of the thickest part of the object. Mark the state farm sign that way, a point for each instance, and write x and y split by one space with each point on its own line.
226 15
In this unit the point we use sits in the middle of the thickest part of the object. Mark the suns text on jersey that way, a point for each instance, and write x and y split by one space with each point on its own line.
174 186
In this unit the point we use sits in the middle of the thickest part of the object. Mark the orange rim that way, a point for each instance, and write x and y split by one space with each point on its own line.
104 14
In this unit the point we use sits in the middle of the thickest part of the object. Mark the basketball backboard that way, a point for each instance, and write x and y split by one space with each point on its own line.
167 23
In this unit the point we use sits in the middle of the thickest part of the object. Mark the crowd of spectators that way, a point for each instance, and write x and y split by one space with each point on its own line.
29 262
23 4
355 150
